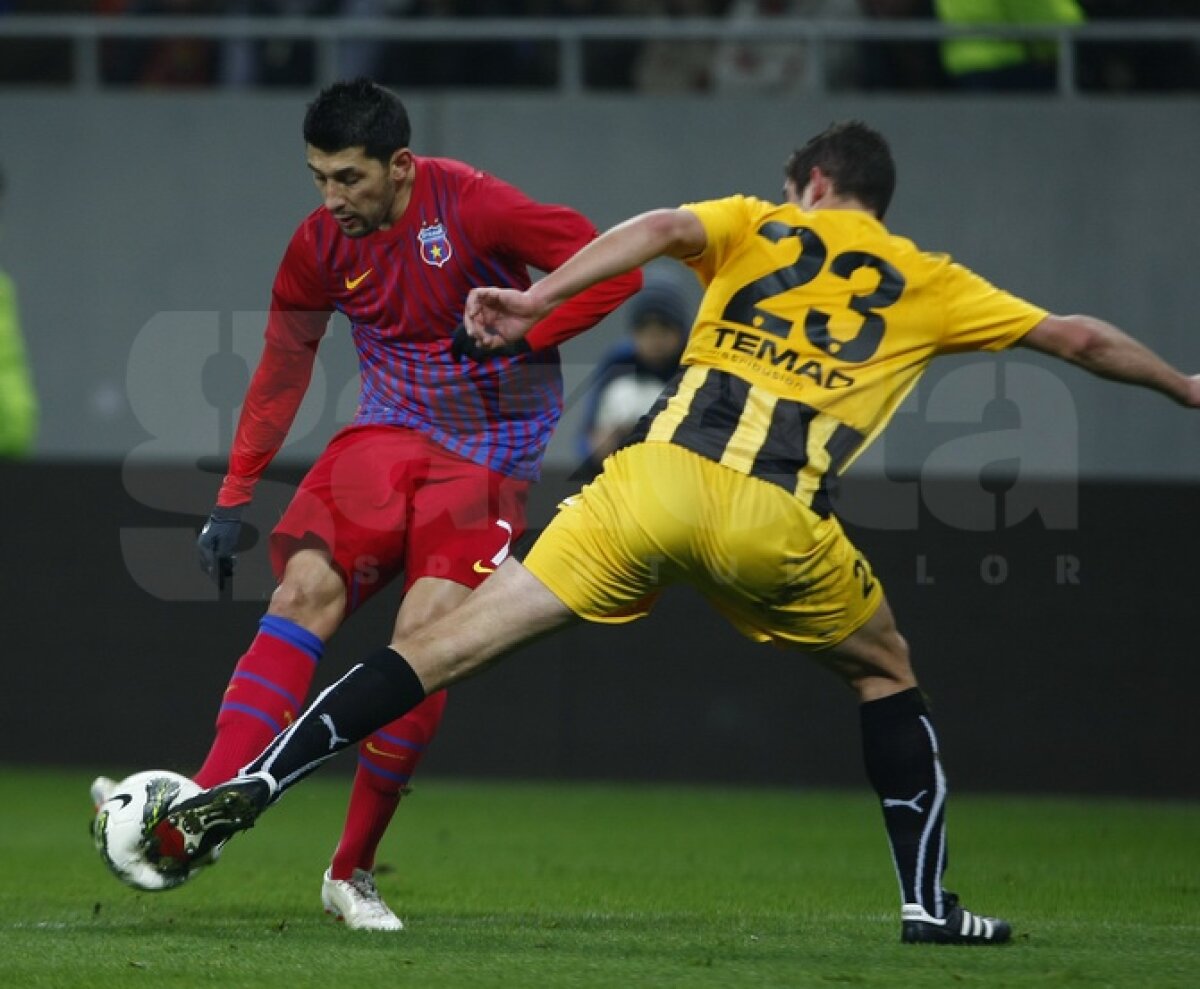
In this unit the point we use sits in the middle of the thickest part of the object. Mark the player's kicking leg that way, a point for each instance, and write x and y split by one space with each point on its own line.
272 677
509 608
900 750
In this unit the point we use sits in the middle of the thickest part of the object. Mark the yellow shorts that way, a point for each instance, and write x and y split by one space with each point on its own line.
661 515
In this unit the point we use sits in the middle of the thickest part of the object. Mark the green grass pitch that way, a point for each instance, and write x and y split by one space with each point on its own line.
532 885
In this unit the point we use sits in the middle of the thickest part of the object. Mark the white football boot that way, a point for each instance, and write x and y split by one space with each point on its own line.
357 903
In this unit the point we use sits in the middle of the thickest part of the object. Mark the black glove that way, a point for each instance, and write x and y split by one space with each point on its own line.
217 542
465 346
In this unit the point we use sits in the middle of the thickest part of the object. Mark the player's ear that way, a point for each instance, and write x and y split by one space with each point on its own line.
400 164
818 186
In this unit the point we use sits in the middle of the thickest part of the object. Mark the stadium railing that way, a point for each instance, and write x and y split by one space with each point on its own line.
85 34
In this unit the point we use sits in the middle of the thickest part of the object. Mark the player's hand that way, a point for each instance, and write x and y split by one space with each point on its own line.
463 345
217 542
499 317
1193 398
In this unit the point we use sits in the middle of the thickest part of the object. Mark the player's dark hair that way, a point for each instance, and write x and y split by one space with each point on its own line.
357 114
857 160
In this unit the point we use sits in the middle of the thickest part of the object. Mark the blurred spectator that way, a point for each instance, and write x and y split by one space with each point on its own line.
630 376
272 62
900 64
18 403
276 62
667 66
175 62
360 56
780 67
986 63
248 61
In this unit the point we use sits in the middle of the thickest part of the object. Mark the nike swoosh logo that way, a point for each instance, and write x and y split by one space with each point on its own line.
371 747
479 567
125 798
353 283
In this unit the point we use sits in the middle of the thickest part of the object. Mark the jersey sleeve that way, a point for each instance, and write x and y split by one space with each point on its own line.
725 223
297 320
979 316
541 236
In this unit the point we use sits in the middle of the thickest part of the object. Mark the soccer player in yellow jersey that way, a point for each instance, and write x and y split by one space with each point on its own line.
816 321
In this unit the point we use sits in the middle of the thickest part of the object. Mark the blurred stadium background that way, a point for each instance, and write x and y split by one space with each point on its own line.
1034 527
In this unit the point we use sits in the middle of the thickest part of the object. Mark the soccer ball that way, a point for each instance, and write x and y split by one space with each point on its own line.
124 830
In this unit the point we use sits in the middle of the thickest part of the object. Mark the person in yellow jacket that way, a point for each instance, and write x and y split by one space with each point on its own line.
18 404
983 62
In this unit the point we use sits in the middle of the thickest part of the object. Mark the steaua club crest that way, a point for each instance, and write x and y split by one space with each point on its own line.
435 247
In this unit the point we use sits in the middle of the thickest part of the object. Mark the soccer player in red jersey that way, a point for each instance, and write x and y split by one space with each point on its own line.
430 478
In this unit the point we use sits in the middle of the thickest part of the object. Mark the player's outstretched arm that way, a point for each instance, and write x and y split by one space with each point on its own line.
1108 352
497 317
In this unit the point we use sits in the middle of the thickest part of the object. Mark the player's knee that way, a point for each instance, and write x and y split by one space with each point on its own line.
893 665
314 597
874 662
887 649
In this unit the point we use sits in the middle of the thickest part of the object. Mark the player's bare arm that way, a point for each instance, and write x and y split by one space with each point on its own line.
496 317
1108 352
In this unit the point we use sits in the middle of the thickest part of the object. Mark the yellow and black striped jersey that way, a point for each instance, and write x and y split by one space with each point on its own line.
813 328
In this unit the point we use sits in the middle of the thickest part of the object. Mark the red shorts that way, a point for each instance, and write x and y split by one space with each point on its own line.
386 499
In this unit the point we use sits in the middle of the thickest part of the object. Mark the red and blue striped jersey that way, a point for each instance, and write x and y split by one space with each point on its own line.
403 290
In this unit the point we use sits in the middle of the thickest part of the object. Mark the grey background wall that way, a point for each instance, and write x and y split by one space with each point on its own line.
143 231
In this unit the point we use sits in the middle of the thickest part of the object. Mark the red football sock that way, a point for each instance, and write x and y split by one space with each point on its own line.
386 762
264 695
